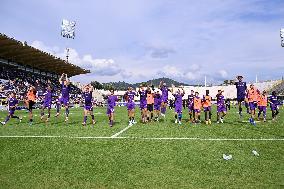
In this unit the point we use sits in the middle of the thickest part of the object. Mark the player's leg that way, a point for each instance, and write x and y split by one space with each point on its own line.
210 114
66 104
85 113
264 113
42 112
92 115
180 115
30 107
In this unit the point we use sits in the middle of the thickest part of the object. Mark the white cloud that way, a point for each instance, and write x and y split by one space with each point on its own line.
101 67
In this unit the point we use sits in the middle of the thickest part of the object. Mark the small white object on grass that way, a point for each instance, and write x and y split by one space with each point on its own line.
227 157
255 153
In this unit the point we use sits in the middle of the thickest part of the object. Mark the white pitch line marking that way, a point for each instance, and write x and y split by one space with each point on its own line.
148 138
120 132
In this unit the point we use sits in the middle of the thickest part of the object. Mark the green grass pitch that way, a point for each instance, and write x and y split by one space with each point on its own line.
155 155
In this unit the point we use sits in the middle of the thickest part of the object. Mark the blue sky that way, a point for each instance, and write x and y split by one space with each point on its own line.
135 40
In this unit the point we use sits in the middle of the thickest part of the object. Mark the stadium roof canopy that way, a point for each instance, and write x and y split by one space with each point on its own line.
18 52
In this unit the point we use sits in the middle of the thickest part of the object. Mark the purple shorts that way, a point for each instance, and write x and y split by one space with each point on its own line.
252 105
157 107
240 98
221 108
88 107
110 110
143 105
46 105
262 108
130 105
190 108
64 101
273 107
197 110
207 109
178 109
12 111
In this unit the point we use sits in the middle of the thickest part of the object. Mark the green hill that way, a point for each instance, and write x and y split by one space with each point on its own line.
121 85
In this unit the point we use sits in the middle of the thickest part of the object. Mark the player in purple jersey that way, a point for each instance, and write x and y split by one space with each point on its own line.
129 97
88 103
12 105
165 93
221 107
143 103
190 100
47 102
111 102
274 105
157 104
64 99
241 92
178 103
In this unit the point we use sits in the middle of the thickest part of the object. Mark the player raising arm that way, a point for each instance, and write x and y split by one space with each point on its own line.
178 103
64 99
88 103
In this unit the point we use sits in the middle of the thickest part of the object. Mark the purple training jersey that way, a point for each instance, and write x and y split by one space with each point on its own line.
12 102
65 90
143 99
88 98
47 97
111 101
178 102
165 93
241 90
190 101
221 107
157 101
273 102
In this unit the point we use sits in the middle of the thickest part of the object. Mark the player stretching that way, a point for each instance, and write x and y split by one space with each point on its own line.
190 102
273 100
64 99
111 100
31 100
262 104
241 92
165 94
252 99
207 107
178 104
88 108
197 107
130 94
143 103
221 107
47 101
157 104
12 105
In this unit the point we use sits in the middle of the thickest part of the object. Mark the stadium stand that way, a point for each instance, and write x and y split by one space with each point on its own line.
22 65
279 88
